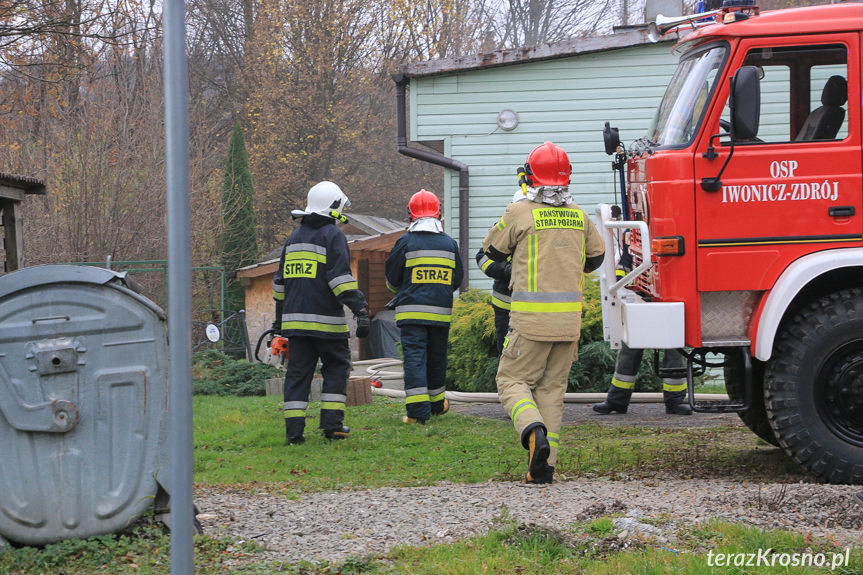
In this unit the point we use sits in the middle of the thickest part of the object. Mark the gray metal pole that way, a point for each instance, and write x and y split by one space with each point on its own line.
179 287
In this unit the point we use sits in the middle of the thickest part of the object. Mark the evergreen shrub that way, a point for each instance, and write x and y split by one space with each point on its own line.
215 373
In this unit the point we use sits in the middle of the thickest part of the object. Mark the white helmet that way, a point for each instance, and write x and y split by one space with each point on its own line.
324 198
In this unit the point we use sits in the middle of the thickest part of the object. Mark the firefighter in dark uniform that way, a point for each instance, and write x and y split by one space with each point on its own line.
500 272
424 269
629 360
310 286
551 243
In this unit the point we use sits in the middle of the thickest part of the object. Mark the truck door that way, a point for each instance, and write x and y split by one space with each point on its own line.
796 188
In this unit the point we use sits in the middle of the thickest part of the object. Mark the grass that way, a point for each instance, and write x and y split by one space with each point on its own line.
241 441
508 548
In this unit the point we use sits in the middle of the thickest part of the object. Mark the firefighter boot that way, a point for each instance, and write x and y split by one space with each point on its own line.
444 407
406 419
616 400
341 433
675 403
534 440
294 430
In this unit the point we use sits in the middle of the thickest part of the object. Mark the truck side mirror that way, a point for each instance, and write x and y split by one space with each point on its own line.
611 139
745 103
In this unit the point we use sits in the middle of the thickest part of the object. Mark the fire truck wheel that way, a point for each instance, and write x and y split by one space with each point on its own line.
814 387
756 417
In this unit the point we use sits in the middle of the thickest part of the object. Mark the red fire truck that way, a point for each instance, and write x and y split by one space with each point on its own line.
740 211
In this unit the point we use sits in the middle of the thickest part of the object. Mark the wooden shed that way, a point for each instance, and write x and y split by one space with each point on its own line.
13 190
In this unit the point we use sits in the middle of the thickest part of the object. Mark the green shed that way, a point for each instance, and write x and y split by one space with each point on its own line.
481 115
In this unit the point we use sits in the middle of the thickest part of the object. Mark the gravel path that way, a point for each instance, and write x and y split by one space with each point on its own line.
335 525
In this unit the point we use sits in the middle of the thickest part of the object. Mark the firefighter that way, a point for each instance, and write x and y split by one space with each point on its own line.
626 373
552 242
629 360
310 286
424 269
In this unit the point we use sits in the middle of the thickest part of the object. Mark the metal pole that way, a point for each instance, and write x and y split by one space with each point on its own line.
179 290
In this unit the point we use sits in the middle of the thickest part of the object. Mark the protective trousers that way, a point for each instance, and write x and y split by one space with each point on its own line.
626 374
424 363
335 356
531 383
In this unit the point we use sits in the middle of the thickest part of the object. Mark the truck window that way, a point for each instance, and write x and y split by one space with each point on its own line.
803 93
682 108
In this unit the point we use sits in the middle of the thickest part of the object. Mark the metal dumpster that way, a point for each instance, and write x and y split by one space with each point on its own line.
83 403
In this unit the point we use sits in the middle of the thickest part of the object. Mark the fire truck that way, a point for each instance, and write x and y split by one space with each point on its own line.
739 209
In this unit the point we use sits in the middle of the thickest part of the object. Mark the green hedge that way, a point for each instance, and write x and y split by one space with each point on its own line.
215 373
472 355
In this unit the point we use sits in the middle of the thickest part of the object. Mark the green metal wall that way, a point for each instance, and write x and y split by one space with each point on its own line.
566 100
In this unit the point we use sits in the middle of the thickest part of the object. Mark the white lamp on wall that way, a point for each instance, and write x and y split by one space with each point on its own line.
507 119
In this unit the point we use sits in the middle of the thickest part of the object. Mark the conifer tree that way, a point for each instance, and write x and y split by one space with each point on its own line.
238 244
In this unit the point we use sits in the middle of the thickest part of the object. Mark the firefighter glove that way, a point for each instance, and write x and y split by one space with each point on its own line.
507 271
364 322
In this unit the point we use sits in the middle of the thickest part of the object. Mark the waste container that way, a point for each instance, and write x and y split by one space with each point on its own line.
83 403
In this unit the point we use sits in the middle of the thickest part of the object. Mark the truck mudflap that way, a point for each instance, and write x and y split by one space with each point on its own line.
626 317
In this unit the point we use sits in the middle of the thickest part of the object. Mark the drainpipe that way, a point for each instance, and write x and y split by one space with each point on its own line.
433 158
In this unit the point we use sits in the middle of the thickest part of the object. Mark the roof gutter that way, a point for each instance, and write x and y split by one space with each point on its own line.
402 81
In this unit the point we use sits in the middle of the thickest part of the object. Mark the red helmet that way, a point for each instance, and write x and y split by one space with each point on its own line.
547 165
424 204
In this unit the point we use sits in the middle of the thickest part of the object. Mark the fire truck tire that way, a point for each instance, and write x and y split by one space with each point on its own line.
755 417
814 387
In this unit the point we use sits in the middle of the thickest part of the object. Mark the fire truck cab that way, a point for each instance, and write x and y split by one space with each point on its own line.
740 210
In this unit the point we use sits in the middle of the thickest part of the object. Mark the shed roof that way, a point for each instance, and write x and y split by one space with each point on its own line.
15 187
548 51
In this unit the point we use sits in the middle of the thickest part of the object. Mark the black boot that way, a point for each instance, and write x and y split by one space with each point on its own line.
675 403
543 475
533 438
616 400
341 433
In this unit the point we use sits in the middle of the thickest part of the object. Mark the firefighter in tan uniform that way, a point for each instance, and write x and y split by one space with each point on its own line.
552 242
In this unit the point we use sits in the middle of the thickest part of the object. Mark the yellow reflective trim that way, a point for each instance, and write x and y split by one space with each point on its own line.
522 408
673 387
300 269
501 224
340 405
485 265
497 302
392 288
416 398
295 413
532 256
437 396
303 255
344 287
278 295
522 402
430 261
547 307
622 384
315 326
425 275
423 315
558 218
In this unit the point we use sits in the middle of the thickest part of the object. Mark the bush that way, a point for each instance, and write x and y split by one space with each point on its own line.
471 349
215 373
